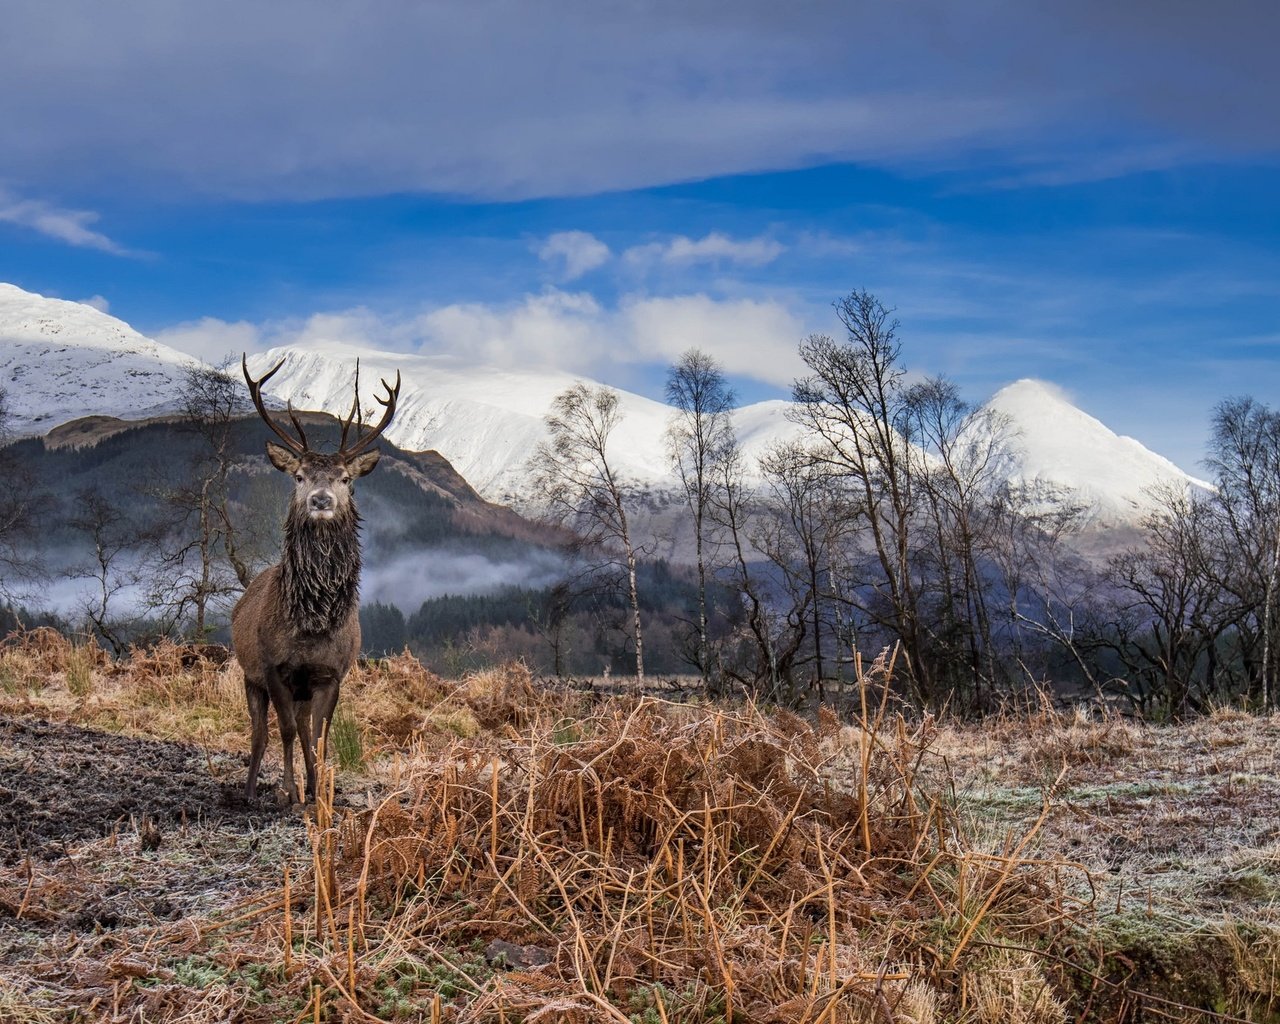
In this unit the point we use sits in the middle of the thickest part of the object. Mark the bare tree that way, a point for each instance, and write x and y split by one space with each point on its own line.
114 569
574 471
1245 456
809 519
204 562
1169 593
956 453
853 402
1050 591
699 439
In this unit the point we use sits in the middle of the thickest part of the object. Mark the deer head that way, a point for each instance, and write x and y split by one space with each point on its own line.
322 480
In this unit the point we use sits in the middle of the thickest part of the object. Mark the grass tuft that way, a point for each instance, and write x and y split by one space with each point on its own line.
79 671
346 740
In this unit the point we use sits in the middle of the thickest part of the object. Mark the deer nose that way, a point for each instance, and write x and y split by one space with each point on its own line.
320 501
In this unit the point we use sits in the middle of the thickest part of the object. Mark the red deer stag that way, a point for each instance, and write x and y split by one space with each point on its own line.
296 630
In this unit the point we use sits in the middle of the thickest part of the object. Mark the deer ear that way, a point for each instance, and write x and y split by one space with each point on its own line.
283 459
363 464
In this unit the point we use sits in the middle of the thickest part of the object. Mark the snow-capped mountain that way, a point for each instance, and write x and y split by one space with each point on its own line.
62 360
1058 453
488 422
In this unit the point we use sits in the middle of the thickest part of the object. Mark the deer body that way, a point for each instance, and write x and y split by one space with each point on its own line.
296 630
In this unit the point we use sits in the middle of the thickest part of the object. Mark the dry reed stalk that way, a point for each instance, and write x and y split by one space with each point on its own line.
288 924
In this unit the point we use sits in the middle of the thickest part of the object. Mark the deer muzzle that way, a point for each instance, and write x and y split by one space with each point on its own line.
320 505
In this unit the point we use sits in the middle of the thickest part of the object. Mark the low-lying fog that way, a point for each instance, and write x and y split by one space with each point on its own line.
405 581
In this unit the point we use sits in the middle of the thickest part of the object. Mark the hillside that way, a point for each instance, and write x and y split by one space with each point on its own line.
1059 453
427 532
488 421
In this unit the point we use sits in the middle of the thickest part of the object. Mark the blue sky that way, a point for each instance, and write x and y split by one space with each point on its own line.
1086 195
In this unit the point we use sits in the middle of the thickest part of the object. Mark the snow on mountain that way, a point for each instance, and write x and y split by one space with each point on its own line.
1060 453
488 422
62 360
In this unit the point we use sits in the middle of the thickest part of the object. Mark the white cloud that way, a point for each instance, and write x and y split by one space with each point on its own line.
574 332
213 340
751 338
582 97
69 226
712 248
576 253
554 329
97 302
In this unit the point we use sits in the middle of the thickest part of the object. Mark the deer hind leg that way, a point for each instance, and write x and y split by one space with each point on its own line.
256 697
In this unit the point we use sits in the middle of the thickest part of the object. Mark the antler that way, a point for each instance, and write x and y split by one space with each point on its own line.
363 441
296 445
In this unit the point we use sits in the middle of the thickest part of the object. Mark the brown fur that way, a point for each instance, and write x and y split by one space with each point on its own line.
296 629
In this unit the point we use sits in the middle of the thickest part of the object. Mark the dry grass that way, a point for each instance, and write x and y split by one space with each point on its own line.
672 863
527 855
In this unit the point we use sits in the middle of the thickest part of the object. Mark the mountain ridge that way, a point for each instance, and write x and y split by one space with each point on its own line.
73 361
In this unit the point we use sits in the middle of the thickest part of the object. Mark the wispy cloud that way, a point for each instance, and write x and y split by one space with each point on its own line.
97 302
574 253
711 248
69 226
553 329
213 340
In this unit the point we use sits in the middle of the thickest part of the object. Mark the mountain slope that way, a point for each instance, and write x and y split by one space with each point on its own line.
488 422
62 360
1059 453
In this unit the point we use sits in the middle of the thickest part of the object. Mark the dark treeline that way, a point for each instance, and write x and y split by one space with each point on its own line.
557 630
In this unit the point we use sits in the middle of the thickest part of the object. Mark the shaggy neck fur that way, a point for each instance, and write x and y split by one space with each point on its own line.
320 570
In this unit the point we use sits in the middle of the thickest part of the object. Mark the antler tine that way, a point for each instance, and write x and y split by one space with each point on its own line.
296 425
255 392
389 410
354 415
346 424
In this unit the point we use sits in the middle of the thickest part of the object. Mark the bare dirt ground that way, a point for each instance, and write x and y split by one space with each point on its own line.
106 837
62 785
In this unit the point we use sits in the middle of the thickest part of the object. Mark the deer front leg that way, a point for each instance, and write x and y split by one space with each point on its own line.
278 683
324 697
303 714
288 730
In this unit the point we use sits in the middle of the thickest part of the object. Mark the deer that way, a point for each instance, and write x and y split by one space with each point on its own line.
296 628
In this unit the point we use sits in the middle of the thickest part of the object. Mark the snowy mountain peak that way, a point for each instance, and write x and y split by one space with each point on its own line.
487 421
1061 453
65 360
61 360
